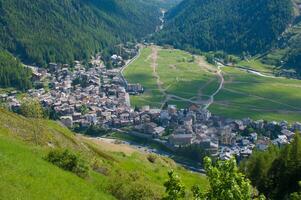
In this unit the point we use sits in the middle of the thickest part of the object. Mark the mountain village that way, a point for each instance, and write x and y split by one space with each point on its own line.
84 96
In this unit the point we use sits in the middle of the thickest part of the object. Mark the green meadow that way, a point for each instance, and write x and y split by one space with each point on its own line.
248 95
191 79
179 74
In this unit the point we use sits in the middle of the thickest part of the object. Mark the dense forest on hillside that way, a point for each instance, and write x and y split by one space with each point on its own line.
288 51
229 25
164 4
276 172
61 31
12 73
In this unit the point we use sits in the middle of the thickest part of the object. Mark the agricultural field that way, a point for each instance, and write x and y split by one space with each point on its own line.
249 95
171 76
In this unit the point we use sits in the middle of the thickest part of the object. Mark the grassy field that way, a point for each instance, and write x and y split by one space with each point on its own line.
257 65
186 79
26 175
167 74
249 95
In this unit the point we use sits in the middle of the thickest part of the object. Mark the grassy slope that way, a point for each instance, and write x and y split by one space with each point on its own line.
248 95
257 65
179 76
27 176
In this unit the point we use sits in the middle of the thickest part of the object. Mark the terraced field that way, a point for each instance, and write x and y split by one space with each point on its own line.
171 76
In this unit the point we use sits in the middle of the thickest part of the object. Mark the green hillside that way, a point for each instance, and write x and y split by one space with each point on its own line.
25 175
229 25
113 174
61 31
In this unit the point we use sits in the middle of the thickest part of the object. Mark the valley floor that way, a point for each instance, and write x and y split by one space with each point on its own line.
177 77
173 77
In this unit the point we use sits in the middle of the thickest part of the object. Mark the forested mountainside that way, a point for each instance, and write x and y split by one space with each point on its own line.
164 4
229 25
41 31
288 51
12 73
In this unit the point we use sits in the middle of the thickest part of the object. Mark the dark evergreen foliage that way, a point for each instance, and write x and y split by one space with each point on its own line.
276 172
12 73
61 31
229 25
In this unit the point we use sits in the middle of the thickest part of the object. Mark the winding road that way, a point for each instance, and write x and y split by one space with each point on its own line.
128 63
221 85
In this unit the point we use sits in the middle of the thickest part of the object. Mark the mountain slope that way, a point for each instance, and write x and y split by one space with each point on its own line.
12 73
229 25
24 143
288 51
61 31
25 175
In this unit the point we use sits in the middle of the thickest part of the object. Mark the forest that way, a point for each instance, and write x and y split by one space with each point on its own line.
229 25
13 73
63 31
276 173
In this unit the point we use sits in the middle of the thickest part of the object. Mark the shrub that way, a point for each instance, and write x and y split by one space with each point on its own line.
132 186
31 108
152 158
99 168
68 161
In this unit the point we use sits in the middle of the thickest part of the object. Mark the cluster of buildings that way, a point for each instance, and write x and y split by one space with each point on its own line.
82 96
220 137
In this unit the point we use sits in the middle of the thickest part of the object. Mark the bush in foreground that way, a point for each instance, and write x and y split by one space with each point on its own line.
68 161
226 183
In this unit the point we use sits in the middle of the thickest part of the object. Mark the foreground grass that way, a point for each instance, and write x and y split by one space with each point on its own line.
26 175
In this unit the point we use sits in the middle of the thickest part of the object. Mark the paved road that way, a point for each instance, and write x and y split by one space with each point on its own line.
221 85
128 64
256 72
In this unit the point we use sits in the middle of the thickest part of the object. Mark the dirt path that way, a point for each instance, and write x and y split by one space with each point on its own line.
110 145
154 65
168 97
